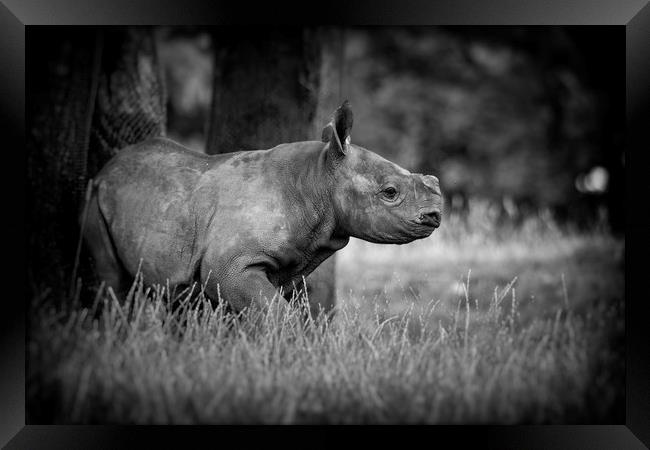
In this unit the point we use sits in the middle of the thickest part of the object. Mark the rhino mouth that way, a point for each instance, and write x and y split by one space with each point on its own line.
421 229
429 219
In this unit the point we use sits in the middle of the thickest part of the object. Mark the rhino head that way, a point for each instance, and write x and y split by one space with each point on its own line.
373 198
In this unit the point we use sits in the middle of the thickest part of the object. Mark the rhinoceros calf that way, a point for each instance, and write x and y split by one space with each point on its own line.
248 223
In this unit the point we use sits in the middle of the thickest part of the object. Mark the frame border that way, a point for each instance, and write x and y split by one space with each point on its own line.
633 14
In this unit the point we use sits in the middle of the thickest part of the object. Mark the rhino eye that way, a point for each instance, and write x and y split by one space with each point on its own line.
390 193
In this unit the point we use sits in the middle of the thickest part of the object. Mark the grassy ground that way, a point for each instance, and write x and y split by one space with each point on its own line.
481 323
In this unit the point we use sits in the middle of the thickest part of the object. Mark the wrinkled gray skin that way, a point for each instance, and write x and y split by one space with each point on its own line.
248 223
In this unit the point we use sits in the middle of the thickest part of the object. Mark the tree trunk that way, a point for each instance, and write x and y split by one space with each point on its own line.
61 88
130 105
91 93
270 87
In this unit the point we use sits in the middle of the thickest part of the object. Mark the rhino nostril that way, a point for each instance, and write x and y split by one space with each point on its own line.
435 217
432 218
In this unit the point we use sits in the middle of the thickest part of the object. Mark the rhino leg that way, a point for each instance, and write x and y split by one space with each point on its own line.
241 285
98 240
321 288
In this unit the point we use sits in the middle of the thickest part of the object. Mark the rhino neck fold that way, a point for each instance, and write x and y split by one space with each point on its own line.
309 194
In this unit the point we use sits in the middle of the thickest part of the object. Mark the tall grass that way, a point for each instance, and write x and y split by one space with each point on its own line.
470 356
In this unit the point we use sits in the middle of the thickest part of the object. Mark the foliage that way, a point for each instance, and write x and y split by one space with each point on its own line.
490 116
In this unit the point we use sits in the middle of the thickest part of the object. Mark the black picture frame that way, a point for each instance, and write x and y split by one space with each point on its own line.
634 15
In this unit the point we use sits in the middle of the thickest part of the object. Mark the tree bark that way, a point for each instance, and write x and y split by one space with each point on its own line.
130 104
61 89
91 93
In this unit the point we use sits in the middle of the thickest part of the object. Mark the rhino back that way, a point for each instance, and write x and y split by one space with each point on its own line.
145 194
241 200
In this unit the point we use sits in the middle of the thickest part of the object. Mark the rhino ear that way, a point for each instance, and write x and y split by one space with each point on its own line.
337 132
